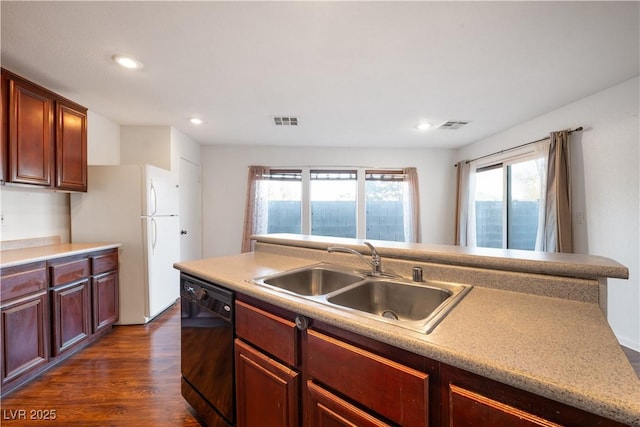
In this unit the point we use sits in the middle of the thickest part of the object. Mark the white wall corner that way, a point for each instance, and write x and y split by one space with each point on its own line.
103 140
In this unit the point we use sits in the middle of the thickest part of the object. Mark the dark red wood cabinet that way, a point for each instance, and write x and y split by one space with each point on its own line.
24 321
315 379
266 369
104 290
30 133
269 392
44 137
472 400
70 315
336 378
51 309
25 335
71 146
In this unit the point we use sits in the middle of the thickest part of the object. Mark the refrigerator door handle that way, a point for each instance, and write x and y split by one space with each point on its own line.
154 199
154 236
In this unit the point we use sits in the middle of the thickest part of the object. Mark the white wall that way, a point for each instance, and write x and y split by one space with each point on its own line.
605 186
33 212
103 140
146 145
184 147
224 187
30 213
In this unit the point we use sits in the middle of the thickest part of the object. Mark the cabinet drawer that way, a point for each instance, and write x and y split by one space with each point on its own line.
469 408
69 271
397 392
102 263
22 280
273 334
326 409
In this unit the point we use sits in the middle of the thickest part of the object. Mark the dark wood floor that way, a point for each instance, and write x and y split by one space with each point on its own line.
131 377
634 359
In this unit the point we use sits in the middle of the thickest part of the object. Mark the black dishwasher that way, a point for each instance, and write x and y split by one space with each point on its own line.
206 350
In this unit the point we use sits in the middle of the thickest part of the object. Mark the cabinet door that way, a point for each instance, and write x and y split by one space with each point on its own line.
70 315
105 300
327 410
25 344
30 134
71 147
267 392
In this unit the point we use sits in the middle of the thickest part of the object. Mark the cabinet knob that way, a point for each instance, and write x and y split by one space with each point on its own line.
302 322
183 232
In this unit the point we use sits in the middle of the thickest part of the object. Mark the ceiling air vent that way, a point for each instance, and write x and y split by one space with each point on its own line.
285 121
453 124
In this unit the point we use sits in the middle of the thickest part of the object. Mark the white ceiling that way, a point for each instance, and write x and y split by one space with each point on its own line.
354 73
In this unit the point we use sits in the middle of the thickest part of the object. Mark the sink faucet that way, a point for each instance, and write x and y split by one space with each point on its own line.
375 262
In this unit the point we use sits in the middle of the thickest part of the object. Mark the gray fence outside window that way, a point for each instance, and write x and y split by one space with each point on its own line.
523 224
385 221
338 219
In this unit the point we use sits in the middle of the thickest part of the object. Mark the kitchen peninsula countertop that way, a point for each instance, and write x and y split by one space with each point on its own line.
9 258
557 348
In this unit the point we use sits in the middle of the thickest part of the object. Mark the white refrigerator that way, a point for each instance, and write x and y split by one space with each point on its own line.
137 206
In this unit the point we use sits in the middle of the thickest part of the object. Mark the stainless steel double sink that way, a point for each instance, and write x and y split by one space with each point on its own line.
418 306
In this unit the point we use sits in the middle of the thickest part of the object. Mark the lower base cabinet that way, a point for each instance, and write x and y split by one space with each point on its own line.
472 400
468 408
25 331
52 308
345 385
323 376
268 391
105 300
71 310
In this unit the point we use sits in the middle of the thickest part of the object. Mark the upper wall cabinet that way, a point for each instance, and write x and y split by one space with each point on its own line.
44 137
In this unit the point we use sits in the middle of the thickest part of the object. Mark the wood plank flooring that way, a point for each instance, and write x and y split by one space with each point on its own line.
131 377
634 359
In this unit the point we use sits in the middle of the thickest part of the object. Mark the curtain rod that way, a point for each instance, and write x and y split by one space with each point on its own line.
578 129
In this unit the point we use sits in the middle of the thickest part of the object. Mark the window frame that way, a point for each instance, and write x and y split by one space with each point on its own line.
361 177
505 162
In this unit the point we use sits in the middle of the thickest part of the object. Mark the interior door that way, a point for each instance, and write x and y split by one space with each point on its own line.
190 211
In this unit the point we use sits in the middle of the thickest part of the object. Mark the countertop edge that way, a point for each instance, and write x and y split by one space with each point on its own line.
42 253
558 264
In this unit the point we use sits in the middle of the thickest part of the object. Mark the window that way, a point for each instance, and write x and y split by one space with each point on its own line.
507 203
333 196
284 195
356 203
384 195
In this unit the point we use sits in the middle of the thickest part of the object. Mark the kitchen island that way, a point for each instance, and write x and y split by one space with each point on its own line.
532 322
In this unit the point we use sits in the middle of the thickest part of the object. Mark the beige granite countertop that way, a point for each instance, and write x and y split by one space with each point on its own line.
13 257
560 349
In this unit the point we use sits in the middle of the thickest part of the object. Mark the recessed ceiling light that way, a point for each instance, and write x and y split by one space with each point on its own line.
127 62
423 126
195 121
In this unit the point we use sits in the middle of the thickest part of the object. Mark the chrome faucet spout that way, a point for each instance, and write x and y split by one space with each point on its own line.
375 262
